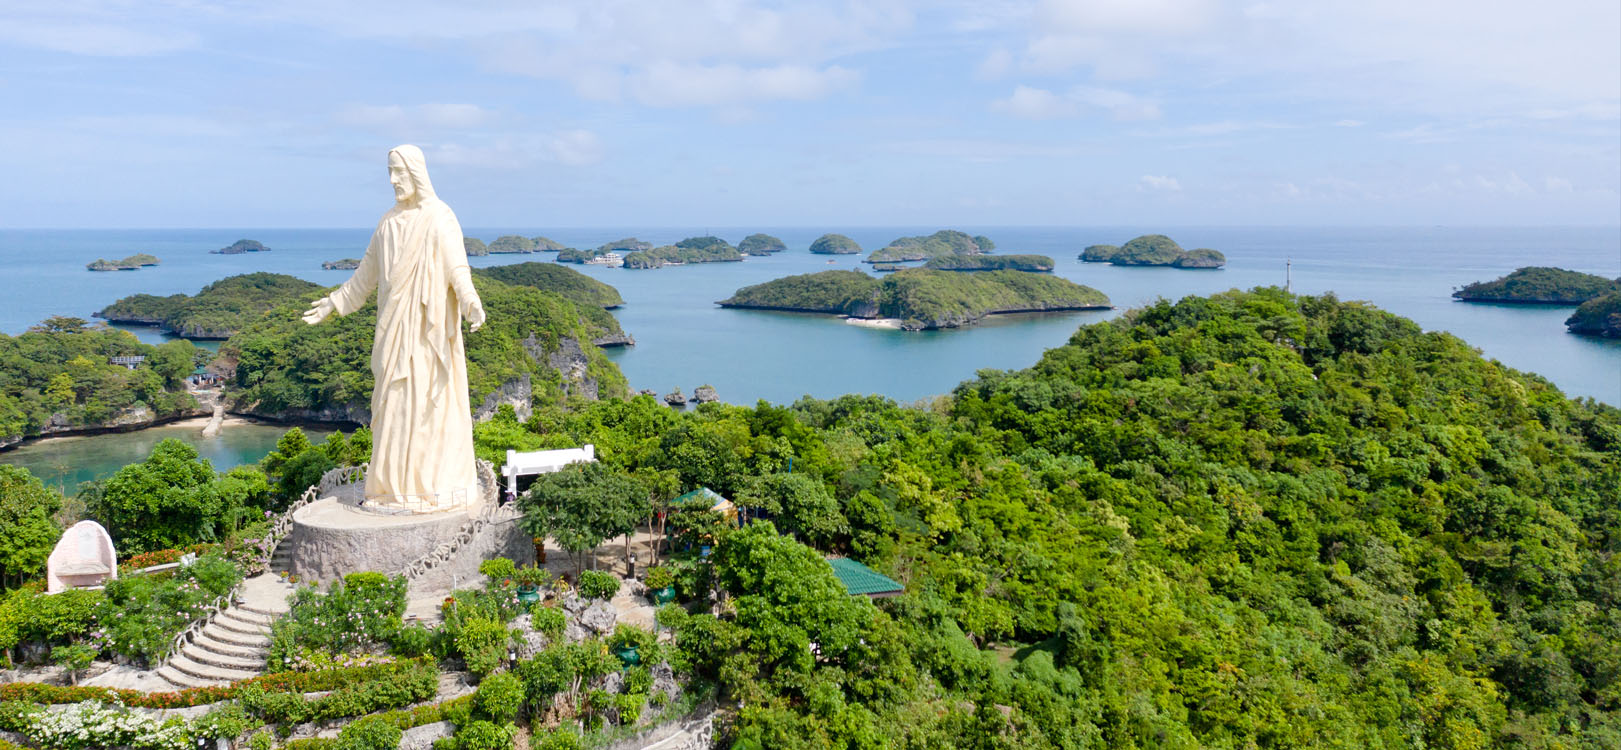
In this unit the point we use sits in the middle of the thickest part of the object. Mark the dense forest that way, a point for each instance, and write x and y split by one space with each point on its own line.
59 374
920 298
591 297
1250 520
217 312
1599 316
760 244
834 244
1153 250
285 368
981 262
943 242
1540 285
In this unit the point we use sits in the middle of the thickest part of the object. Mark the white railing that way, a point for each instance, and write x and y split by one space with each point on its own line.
329 483
220 604
492 512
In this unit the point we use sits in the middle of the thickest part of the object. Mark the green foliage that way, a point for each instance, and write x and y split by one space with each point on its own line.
59 372
173 499
286 367
498 569
483 645
1540 285
598 585
628 244
74 659
140 615
690 250
512 243
659 577
981 262
643 640
218 311
800 503
761 244
1599 316
391 686
583 505
558 739
485 735
29 615
572 255
357 613
297 464
369 734
28 532
577 287
224 721
921 298
1153 250
1202 257
475 247
499 697
943 242
834 244
549 621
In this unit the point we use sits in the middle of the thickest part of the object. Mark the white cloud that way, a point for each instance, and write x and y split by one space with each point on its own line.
1159 183
1557 185
669 84
1040 104
572 148
1348 123
394 118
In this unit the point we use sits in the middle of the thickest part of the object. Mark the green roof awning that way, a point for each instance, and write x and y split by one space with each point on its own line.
861 580
709 497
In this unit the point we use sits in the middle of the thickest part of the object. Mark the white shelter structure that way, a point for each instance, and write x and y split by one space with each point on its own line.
83 558
543 462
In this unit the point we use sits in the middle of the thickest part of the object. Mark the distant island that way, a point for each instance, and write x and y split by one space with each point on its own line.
1540 285
475 247
347 264
572 255
241 246
980 262
1599 316
943 242
834 244
1153 250
627 245
760 244
132 263
919 298
218 311
707 249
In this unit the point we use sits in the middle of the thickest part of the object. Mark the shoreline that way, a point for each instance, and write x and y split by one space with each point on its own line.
885 323
196 421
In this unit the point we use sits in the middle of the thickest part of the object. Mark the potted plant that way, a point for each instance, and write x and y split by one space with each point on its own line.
631 644
529 580
661 584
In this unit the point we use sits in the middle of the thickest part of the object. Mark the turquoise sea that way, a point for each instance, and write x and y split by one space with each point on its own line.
684 340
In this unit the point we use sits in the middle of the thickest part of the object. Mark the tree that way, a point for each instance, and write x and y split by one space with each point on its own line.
27 532
171 499
800 503
582 506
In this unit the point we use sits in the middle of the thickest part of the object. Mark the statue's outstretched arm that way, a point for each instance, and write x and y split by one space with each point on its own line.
352 295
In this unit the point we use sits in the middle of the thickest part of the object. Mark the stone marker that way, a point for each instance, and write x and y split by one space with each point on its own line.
84 557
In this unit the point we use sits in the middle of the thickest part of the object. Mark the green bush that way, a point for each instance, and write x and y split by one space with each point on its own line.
641 639
29 615
483 645
596 584
361 611
497 569
369 734
75 659
417 681
557 739
638 679
547 620
499 697
260 741
224 721
660 576
413 640
484 735
629 707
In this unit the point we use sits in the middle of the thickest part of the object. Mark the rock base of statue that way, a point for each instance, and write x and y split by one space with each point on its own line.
335 536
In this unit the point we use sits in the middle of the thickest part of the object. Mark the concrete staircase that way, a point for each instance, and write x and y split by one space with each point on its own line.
281 561
232 646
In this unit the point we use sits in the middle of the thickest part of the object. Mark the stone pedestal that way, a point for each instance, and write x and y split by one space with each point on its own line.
332 538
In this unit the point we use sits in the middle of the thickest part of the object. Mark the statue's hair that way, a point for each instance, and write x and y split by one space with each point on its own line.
417 166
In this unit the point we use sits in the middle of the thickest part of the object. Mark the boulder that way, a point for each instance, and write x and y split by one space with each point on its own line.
704 394
423 737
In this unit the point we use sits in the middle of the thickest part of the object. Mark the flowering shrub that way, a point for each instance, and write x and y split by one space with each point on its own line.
161 557
299 682
141 615
90 725
363 611
595 584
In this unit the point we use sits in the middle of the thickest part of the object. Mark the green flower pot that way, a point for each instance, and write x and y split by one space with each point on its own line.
528 594
629 656
664 595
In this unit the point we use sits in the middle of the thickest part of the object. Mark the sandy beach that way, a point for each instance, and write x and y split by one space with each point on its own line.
875 322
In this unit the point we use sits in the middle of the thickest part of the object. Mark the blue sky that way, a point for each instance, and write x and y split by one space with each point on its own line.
876 112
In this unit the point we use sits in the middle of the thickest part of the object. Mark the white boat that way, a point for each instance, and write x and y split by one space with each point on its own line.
612 260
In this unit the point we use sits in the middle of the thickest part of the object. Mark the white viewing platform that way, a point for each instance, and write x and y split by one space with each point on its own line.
543 462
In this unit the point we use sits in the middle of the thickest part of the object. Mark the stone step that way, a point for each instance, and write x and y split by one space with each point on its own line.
237 626
232 637
224 648
203 656
246 617
210 673
180 679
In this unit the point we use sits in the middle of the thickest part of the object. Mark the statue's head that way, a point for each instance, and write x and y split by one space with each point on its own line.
408 172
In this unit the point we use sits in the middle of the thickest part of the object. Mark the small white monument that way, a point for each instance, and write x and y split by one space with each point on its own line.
83 558
521 464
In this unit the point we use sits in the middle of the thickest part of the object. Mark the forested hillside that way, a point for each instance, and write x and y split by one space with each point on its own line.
218 311
1252 520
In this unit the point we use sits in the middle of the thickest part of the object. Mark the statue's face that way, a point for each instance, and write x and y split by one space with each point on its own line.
404 186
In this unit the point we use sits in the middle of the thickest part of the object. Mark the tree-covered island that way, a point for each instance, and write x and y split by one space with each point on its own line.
241 246
217 312
1599 316
835 244
919 298
943 242
475 247
132 263
1153 250
345 264
707 249
761 244
592 298
981 262
1540 285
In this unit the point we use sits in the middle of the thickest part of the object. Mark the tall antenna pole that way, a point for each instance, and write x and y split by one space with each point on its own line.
1288 264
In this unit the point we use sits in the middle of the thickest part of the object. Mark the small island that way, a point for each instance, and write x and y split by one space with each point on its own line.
943 242
572 255
132 263
1599 316
347 264
760 244
834 244
475 247
218 311
626 245
918 299
1540 285
550 277
1153 250
690 250
241 246
980 262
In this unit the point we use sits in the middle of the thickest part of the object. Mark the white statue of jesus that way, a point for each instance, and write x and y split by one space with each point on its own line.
422 427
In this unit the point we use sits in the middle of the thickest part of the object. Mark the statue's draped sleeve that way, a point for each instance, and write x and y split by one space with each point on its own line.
352 295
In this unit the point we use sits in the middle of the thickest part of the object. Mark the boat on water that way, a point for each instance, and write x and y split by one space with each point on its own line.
611 260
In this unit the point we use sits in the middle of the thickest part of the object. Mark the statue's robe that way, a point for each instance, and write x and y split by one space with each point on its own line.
422 427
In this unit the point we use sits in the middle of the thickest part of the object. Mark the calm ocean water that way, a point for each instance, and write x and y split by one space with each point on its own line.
684 340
